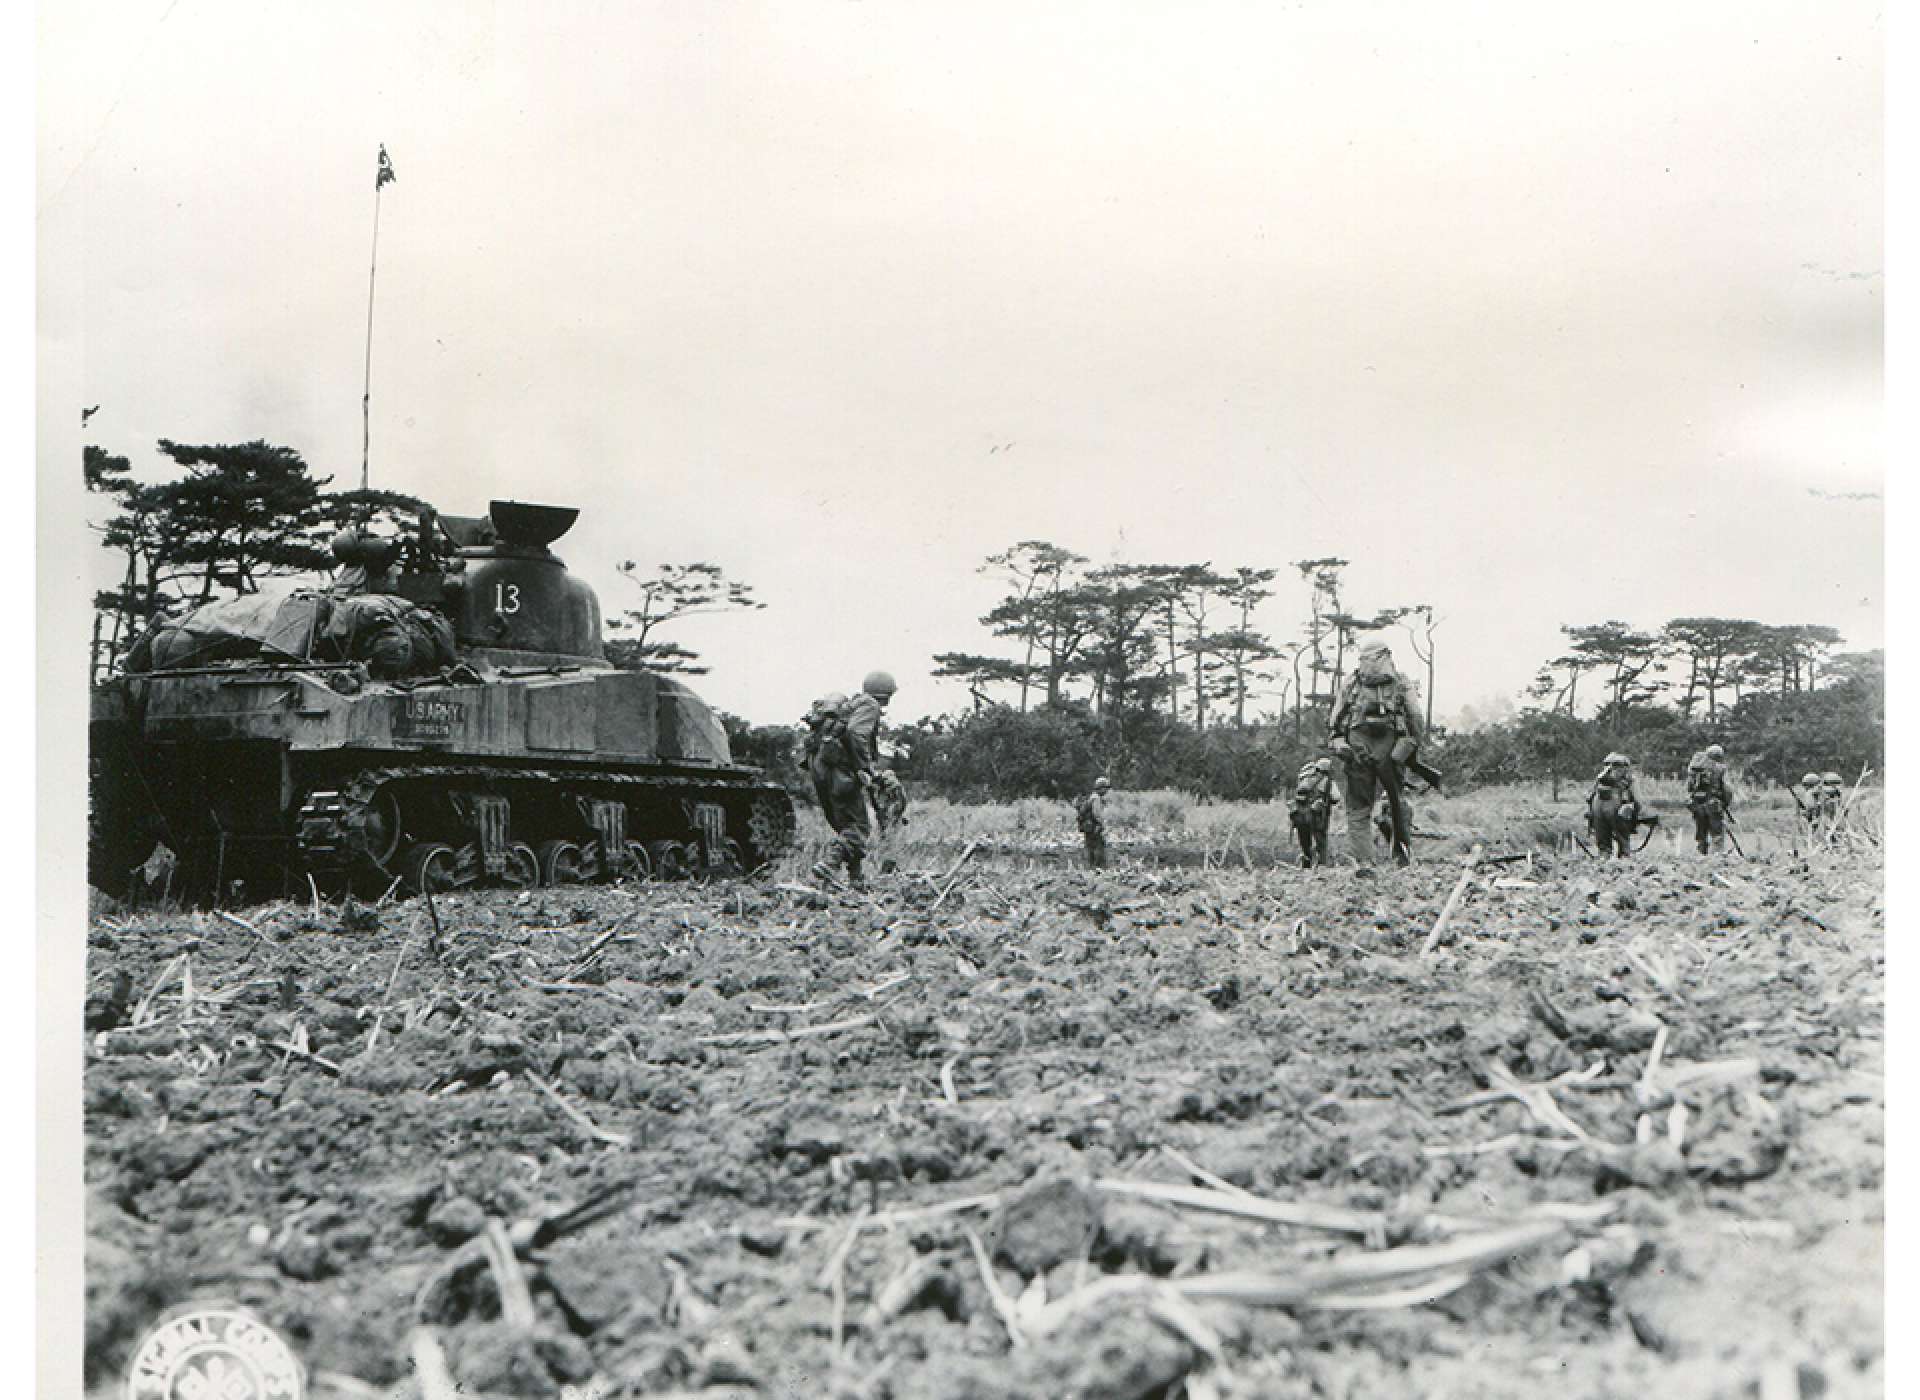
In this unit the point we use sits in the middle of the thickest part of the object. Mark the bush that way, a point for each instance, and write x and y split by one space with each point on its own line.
1001 754
773 747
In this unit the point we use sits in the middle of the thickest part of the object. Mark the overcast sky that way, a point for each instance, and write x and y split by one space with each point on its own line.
1540 314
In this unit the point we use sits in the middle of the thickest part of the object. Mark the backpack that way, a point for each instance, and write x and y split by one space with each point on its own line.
1312 792
1702 780
827 717
1379 704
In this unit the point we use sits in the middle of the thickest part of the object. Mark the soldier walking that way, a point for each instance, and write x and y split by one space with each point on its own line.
1833 796
843 760
889 800
1375 731
1709 798
1612 807
1090 814
1310 809
1812 807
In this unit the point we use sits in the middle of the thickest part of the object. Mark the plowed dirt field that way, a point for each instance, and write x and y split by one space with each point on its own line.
1010 1128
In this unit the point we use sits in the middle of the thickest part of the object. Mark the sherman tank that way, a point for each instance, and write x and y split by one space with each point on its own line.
442 715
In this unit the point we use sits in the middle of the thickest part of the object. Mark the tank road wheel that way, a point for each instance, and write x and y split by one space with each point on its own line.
432 865
639 866
563 863
670 860
523 867
380 827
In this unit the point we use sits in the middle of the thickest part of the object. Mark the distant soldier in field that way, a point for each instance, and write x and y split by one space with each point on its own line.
1709 798
1811 799
1090 815
889 793
1810 796
1374 730
1612 806
1833 793
1383 817
1310 809
843 759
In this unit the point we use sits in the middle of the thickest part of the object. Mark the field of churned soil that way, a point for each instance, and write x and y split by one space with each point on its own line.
1196 1125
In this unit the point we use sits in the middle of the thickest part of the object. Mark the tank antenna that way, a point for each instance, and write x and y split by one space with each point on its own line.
383 176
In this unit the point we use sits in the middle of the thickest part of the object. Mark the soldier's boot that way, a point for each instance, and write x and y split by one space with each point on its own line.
851 850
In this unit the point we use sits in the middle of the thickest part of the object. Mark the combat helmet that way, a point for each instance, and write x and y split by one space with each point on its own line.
1810 780
1715 751
1101 784
879 684
1616 759
1833 778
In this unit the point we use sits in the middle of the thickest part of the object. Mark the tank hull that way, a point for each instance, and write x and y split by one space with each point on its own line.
267 774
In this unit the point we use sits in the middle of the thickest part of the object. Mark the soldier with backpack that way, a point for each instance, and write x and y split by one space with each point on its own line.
1612 808
843 760
1090 815
1375 731
1709 798
1310 810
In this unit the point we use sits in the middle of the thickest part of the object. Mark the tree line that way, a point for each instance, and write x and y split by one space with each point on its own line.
1177 639
1156 675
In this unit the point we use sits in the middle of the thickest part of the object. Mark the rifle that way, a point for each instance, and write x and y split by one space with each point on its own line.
1389 774
1649 820
1424 771
1731 824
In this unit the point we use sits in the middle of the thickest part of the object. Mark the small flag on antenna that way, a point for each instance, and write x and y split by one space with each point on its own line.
385 175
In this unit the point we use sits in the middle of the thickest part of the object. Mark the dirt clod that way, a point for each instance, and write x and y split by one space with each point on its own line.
455 1220
1046 1223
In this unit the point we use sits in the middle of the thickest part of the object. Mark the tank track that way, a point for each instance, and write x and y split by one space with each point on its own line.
334 828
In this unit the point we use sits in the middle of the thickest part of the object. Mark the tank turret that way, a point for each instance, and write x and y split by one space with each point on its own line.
517 602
